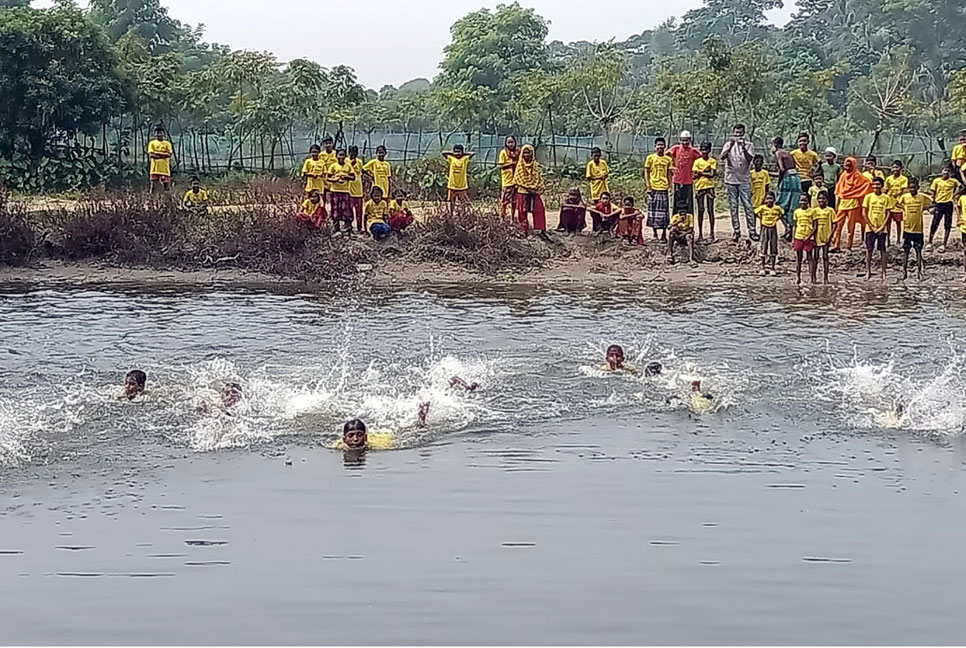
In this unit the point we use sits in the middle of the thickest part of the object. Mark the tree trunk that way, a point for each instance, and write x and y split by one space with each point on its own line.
553 134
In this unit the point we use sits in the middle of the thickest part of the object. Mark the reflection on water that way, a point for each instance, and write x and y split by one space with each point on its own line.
570 504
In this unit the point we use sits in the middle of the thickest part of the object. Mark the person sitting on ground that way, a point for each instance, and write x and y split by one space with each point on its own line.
456 381
653 369
195 200
312 210
573 213
376 211
681 232
629 222
602 216
134 383
615 360
399 215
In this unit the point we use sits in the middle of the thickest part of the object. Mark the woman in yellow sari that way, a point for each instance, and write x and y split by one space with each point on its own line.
529 183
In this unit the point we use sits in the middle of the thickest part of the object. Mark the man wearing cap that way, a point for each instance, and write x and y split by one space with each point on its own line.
736 156
684 156
830 170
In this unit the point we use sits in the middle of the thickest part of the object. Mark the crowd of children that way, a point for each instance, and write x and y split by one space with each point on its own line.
818 201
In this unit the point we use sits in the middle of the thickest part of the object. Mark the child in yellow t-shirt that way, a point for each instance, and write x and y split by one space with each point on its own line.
962 228
760 181
822 217
376 211
312 210
400 217
818 186
682 231
876 209
804 240
314 170
195 200
913 204
328 156
355 185
160 152
705 168
457 188
379 170
597 174
896 184
769 214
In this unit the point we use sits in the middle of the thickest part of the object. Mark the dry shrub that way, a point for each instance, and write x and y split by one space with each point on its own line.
476 236
17 240
128 227
261 190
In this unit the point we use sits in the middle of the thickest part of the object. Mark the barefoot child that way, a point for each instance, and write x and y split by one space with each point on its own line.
376 210
896 185
944 190
803 242
658 176
355 185
328 157
962 229
629 222
822 216
337 181
457 187
760 182
818 186
600 214
768 215
314 169
705 168
573 217
528 179
597 174
913 204
507 162
160 152
876 208
196 199
399 215
682 231
312 210
379 170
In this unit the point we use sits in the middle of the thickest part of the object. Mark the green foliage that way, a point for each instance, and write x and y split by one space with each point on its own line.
58 76
62 169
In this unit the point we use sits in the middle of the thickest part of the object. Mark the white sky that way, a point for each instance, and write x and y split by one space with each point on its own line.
393 41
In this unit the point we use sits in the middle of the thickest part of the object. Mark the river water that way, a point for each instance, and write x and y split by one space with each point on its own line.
557 504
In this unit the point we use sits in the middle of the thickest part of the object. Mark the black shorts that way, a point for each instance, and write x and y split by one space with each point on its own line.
912 240
944 212
875 240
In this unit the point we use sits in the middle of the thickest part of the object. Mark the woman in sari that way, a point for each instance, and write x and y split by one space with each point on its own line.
529 183
789 185
851 188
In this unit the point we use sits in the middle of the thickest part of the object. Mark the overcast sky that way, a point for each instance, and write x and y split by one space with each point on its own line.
392 41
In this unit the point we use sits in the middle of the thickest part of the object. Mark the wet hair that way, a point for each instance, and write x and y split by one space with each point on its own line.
615 348
354 425
605 193
654 368
354 150
140 378
659 139
327 139
779 141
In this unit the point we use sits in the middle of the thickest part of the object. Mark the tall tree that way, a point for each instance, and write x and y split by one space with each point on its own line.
735 21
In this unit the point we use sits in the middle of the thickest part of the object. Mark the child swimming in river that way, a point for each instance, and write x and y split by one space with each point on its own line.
701 401
230 395
134 383
615 360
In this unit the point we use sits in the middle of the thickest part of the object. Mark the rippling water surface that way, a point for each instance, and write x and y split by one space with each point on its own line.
817 500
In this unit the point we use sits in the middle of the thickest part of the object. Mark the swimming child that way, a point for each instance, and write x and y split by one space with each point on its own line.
456 381
701 401
356 437
231 394
653 369
615 360
134 383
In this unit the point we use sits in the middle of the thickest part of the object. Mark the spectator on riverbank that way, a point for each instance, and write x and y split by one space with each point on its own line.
195 200
457 186
944 190
684 156
629 222
602 216
312 210
896 184
850 190
573 213
328 157
760 182
314 169
528 178
737 156
400 217
658 178
338 178
160 152
789 185
597 173
806 160
876 208
681 232
830 170
355 185
507 162
913 205
376 210
769 214
379 170
822 216
705 170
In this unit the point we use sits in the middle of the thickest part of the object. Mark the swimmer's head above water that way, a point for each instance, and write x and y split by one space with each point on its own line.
231 394
354 435
615 357
653 369
134 383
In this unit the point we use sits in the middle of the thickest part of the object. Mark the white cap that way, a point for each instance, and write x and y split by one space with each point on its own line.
685 134
831 150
